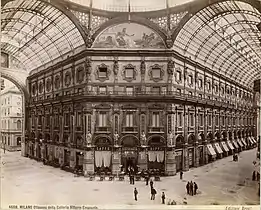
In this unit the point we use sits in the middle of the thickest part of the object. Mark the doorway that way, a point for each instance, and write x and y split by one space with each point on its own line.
129 160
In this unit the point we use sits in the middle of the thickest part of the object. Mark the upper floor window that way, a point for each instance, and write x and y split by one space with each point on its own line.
19 124
40 120
102 121
200 95
201 120
129 120
179 91
216 120
103 72
180 119
155 119
66 119
190 93
191 120
129 73
200 83
216 88
190 79
79 119
209 120
156 73
178 76
208 86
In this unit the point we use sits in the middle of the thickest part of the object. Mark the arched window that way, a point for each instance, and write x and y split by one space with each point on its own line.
19 125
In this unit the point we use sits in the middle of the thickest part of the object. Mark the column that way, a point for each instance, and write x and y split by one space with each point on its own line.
170 166
88 162
116 161
205 152
143 159
170 70
196 152
72 159
185 166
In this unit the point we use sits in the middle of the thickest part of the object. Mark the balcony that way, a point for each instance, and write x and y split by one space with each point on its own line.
78 128
156 129
102 129
133 129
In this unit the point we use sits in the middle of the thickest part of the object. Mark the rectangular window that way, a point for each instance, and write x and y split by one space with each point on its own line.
216 120
129 90
156 73
102 119
190 93
79 119
180 121
208 85
155 90
56 120
129 72
228 120
102 72
129 120
39 120
200 95
179 91
200 83
190 79
178 76
209 120
191 120
102 90
201 120
66 119
155 119
48 121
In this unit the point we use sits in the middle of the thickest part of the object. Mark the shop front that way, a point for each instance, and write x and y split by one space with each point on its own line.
201 154
103 155
179 159
129 153
218 150
225 148
191 157
211 153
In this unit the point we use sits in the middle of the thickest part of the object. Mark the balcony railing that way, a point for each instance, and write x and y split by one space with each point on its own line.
156 129
132 129
136 93
102 129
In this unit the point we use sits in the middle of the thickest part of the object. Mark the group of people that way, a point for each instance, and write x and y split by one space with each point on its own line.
152 191
192 188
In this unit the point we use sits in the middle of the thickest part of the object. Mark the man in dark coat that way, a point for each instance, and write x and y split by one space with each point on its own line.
135 194
254 176
188 188
195 188
153 193
163 198
151 183
132 177
191 188
181 174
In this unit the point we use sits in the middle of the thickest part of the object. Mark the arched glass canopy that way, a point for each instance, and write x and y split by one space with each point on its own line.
36 32
224 37
135 5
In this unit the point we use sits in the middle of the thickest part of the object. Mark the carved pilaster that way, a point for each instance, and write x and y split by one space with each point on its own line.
115 71
143 72
170 70
88 71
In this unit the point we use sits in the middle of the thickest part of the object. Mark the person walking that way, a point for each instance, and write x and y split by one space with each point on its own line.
135 194
188 188
191 188
163 198
195 188
254 176
132 177
181 174
151 184
153 193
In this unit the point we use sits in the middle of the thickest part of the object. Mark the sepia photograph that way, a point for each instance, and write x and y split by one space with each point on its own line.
130 104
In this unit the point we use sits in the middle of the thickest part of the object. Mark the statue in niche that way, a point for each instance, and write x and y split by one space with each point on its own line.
89 139
170 138
116 138
169 40
170 67
143 138
116 66
142 66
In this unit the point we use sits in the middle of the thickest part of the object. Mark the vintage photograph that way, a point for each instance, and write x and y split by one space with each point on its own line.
130 104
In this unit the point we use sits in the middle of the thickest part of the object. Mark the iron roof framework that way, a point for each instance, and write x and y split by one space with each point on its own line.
36 32
224 37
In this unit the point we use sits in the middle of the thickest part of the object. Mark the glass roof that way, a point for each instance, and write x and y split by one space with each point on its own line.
36 33
135 5
224 37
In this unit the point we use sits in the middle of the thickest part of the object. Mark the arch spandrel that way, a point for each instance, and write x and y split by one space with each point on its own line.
129 36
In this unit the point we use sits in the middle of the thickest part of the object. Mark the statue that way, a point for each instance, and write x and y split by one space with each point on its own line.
143 138
170 67
89 138
170 139
116 138
115 66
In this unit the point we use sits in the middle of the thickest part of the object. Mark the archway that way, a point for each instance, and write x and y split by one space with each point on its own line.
13 78
210 136
191 139
129 157
179 141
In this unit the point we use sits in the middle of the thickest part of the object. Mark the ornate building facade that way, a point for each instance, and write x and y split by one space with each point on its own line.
165 90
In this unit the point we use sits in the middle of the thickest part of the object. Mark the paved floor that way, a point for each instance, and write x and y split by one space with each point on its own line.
25 181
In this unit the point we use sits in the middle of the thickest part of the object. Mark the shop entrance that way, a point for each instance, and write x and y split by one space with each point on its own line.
129 160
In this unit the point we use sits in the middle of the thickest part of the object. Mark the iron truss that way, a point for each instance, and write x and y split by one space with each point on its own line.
224 37
36 32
